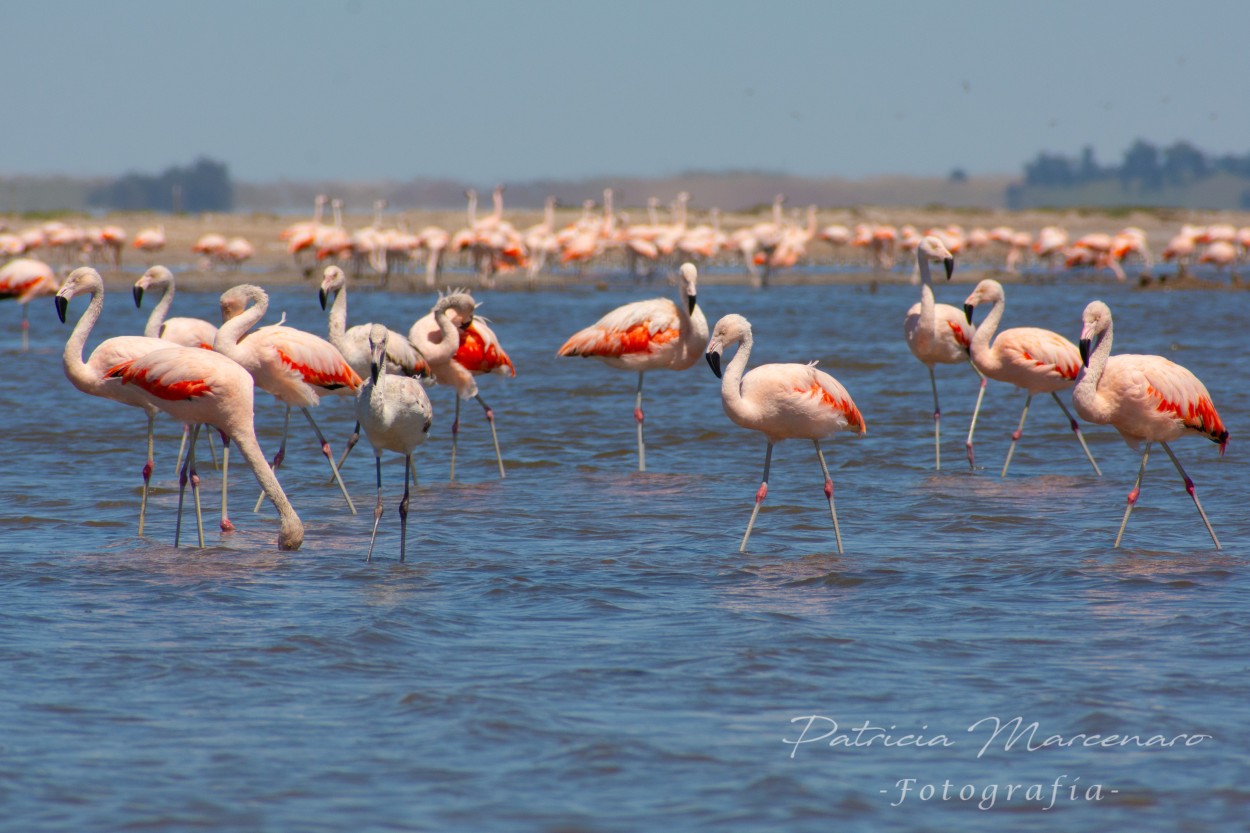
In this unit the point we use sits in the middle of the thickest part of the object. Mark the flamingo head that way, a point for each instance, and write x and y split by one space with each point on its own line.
82 279
730 330
689 277
378 336
158 276
987 290
1095 323
332 281
932 247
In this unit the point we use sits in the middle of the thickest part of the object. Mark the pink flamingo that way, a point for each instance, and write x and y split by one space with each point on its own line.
457 345
647 335
938 333
203 387
188 332
296 367
23 279
150 240
782 401
1040 361
1146 398
91 376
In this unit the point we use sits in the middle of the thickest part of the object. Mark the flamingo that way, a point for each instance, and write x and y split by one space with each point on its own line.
782 401
938 333
1146 398
1040 361
203 387
401 357
296 367
24 279
396 415
91 376
150 240
657 334
188 332
456 351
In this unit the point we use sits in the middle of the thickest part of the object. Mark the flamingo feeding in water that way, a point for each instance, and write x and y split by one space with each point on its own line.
204 387
1038 360
296 367
782 401
938 333
91 376
457 345
1146 398
647 335
24 279
395 413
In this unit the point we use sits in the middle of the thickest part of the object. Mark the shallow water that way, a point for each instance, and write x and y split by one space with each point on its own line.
582 647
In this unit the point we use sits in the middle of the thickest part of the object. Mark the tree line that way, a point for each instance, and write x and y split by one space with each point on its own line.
1145 165
202 186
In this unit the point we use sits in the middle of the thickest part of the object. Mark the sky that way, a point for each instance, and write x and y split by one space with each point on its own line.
493 91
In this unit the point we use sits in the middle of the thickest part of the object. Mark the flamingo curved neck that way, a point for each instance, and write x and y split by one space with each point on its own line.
928 305
1085 395
75 368
338 316
229 333
451 338
153 328
291 532
983 356
731 380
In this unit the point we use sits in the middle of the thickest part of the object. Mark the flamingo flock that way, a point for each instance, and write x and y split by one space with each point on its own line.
204 374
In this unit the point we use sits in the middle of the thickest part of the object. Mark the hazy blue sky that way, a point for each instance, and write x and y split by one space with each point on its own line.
486 91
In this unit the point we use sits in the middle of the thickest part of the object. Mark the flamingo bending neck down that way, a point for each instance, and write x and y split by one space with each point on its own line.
647 335
939 333
1038 360
1146 398
395 413
296 367
782 401
204 387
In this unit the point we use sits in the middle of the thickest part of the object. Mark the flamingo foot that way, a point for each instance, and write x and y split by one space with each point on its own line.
1133 495
762 493
638 415
829 489
1016 435
226 526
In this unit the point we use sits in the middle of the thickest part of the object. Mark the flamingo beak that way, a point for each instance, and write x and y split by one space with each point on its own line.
713 360
321 296
138 293
1084 348
691 303
949 263
373 371
62 304
968 308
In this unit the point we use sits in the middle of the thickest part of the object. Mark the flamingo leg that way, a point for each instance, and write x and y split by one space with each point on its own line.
377 510
212 451
148 465
277 458
195 488
1076 429
182 447
638 418
937 423
1189 487
412 464
1132 496
759 497
403 510
490 417
824 467
1017 434
972 426
351 443
455 433
226 526
183 477
325 449
25 329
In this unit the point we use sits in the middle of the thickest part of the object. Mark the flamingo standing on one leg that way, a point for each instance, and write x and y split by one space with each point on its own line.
457 348
782 401
24 279
1038 360
401 357
938 333
90 376
647 335
204 387
1146 398
396 415
296 367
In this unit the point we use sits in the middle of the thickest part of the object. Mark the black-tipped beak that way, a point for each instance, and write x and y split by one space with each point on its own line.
373 371
691 303
321 296
713 360
138 293
62 304
968 308
1084 347
949 263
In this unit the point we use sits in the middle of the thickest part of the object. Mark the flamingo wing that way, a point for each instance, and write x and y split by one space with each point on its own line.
480 351
1039 351
1164 388
640 327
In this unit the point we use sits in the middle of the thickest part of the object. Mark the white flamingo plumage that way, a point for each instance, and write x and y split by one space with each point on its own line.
938 333
782 401
395 413
656 334
1146 398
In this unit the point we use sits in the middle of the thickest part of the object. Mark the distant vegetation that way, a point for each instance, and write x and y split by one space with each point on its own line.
204 186
1179 175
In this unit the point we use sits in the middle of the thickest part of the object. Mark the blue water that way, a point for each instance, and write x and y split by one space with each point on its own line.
582 648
